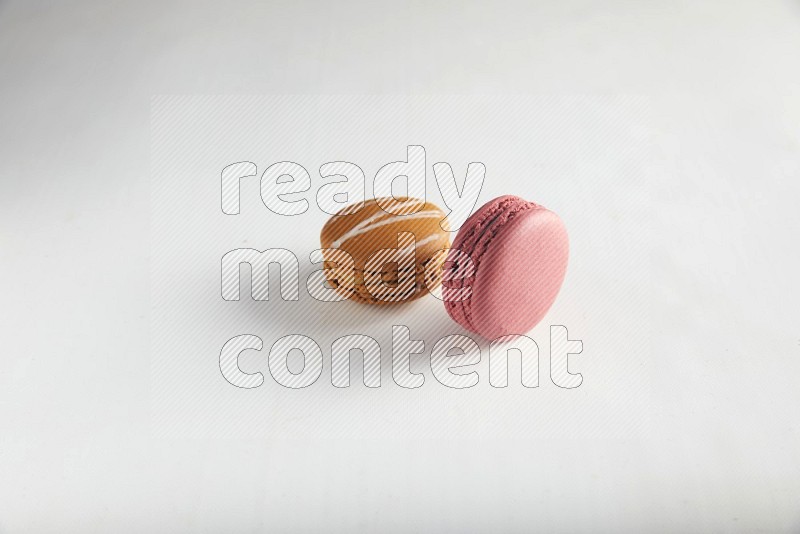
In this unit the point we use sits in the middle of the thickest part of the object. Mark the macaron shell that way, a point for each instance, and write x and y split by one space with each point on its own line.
472 227
520 274
472 240
428 235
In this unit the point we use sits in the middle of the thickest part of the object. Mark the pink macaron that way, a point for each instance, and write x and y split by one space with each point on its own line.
519 252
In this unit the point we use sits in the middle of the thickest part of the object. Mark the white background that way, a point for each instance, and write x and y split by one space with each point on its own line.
712 435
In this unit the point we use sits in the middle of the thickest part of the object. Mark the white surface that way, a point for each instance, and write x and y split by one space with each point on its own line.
584 157
80 449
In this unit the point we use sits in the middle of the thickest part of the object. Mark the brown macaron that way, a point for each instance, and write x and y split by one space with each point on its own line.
397 248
